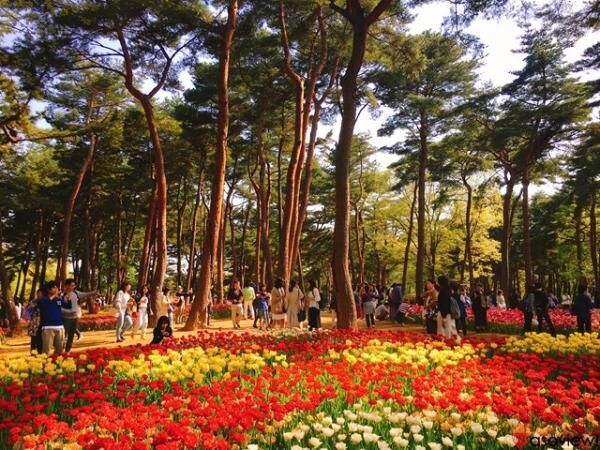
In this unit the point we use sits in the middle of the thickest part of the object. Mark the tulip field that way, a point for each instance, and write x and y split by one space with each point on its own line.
292 390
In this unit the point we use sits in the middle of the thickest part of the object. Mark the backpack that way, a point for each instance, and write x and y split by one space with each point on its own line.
454 309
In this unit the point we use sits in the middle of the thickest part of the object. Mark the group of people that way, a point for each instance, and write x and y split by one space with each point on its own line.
54 317
278 309
446 303
133 311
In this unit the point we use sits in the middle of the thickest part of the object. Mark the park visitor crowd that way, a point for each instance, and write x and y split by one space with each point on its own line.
53 316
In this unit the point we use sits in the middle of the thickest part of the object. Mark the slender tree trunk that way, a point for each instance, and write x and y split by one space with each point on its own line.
7 295
180 213
526 235
280 183
411 223
468 237
233 244
194 225
117 246
423 156
593 240
66 234
579 240
355 15
160 208
148 233
37 254
202 290
243 243
505 266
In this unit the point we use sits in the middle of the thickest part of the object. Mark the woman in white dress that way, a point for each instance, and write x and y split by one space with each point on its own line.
294 302
278 304
142 310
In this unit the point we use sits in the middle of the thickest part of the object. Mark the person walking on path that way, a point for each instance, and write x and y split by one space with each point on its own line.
396 299
313 299
120 303
236 297
294 305
142 310
480 307
249 296
53 330
71 316
430 307
528 307
278 304
542 303
582 308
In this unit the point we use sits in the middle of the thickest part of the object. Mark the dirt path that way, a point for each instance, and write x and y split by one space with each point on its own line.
19 346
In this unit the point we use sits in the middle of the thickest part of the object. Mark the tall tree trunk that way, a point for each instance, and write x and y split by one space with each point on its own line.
194 225
181 206
160 209
411 223
423 156
242 268
468 237
360 22
318 104
117 245
202 290
526 235
578 216
305 93
593 241
233 244
37 254
66 233
148 233
505 266
7 295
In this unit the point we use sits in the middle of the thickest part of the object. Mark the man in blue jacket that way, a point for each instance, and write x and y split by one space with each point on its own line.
53 330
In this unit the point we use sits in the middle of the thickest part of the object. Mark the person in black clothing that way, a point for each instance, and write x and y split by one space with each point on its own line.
515 299
236 297
163 330
479 303
582 308
528 306
542 302
461 322
444 317
395 300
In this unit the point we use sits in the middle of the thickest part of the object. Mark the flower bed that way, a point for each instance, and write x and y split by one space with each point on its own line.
342 390
510 321
97 322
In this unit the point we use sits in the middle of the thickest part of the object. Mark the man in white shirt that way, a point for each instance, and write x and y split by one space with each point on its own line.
71 316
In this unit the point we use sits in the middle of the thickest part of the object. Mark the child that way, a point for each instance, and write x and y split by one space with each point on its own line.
162 331
262 300
403 312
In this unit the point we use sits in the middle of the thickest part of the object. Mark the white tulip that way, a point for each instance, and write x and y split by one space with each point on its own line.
327 432
400 442
356 438
447 441
314 442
